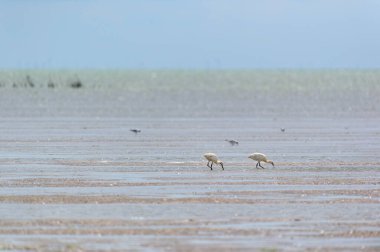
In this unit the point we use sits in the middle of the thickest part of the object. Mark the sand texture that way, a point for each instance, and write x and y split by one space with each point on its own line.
73 177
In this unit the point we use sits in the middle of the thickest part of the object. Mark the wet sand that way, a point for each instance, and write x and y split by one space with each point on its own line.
76 179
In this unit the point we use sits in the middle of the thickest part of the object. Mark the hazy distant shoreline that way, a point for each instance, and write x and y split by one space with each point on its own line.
188 93
119 77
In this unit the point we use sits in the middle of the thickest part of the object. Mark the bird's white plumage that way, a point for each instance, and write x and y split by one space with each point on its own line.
213 158
259 157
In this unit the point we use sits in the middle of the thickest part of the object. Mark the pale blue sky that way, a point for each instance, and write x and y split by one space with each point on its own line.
190 34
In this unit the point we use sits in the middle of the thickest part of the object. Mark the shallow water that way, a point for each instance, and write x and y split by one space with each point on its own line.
74 177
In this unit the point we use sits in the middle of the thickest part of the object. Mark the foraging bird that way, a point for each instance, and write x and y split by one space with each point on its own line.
135 130
259 157
211 157
283 129
232 142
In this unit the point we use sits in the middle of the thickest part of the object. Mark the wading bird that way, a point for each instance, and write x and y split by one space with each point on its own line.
232 142
259 157
211 157
135 130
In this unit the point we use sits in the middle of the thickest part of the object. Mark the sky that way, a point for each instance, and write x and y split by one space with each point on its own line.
189 34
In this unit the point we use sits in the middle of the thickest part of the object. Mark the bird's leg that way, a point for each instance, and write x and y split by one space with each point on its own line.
261 166
257 165
211 165
208 164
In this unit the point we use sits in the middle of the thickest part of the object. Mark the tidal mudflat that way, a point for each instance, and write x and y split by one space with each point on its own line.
73 177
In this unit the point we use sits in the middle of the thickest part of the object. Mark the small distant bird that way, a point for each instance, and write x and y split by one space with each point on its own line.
211 157
232 142
135 130
29 81
50 84
259 157
76 84
283 129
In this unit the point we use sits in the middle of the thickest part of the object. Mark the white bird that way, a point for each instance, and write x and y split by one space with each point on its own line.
232 142
211 157
135 130
260 157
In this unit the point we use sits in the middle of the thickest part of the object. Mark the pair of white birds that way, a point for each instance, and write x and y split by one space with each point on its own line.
259 157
